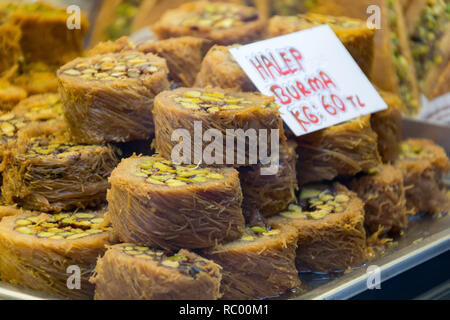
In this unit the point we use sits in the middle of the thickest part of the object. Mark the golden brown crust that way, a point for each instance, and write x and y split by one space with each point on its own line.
384 199
183 55
119 45
44 26
341 150
220 70
170 25
195 215
335 242
270 194
388 126
170 114
41 263
119 276
423 163
120 110
257 269
45 173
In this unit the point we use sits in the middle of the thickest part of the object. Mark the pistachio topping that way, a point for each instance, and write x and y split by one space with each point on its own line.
42 147
61 226
412 152
165 259
252 233
164 172
220 16
45 110
216 101
400 62
429 31
10 124
317 203
113 67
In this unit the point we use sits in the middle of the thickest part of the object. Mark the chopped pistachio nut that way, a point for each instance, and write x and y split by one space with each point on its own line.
213 102
256 232
43 147
430 28
10 123
171 261
220 17
48 109
61 226
400 63
412 152
164 172
316 203
113 67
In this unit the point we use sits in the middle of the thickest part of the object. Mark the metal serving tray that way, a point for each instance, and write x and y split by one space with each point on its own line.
425 238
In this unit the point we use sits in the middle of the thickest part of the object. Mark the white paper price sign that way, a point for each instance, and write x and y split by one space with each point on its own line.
312 76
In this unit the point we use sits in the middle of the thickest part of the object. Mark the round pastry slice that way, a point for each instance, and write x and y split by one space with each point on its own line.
131 272
270 194
48 175
423 164
221 22
184 56
162 204
109 98
42 251
220 70
220 110
383 193
341 150
259 265
330 230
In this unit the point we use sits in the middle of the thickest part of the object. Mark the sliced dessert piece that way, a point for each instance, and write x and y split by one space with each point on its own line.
220 70
184 56
259 265
227 112
221 22
428 23
45 173
341 150
166 205
388 126
268 194
423 163
330 228
42 251
383 193
46 35
132 272
109 98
